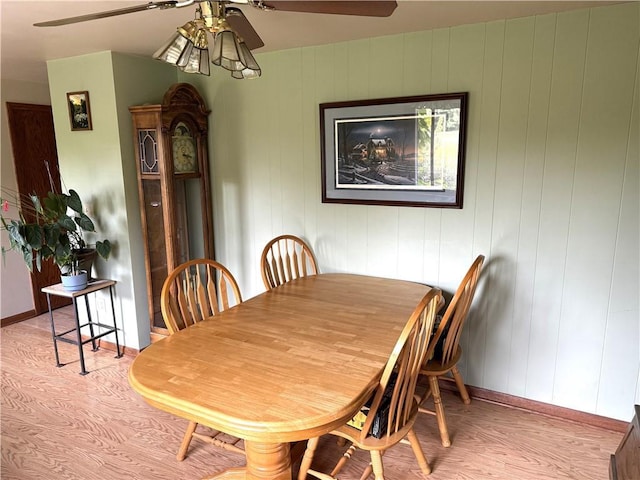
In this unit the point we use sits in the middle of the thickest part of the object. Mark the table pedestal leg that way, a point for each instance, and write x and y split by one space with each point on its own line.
265 461
268 461
231 474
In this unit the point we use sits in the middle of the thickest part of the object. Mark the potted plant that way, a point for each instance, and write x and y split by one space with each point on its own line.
53 227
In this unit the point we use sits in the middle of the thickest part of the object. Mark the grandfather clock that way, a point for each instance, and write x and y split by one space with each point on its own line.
173 184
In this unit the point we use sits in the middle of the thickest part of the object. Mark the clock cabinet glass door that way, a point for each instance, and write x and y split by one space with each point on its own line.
156 246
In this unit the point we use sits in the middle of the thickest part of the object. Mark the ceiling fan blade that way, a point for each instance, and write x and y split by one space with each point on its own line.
110 13
240 24
375 8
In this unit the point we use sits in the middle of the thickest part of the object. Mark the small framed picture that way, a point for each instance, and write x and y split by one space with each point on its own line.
79 110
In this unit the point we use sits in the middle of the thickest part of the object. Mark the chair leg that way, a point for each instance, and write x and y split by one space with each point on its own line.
345 456
305 465
460 383
366 472
417 451
376 464
186 440
439 408
369 470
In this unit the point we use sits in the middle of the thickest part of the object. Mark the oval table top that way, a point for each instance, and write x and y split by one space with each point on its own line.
291 363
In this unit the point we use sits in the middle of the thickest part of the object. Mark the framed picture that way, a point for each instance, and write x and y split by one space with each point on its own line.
79 110
405 151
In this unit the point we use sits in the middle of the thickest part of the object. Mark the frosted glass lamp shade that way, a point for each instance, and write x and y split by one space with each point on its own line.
253 69
171 51
197 62
196 59
227 52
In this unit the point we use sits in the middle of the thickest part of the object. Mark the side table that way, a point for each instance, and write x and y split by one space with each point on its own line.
93 286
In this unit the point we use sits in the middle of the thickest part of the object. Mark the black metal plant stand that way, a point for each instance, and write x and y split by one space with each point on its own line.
92 286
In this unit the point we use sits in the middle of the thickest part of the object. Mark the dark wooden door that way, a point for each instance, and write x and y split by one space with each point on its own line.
36 162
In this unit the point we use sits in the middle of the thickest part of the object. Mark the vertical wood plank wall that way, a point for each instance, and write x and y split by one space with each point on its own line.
551 190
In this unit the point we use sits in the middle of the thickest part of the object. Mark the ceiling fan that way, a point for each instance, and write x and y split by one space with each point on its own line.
234 36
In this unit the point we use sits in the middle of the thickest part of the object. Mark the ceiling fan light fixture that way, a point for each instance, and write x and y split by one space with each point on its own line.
187 49
253 69
227 52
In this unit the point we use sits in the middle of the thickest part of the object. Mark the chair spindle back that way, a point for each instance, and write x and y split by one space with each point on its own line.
456 314
401 372
286 258
196 290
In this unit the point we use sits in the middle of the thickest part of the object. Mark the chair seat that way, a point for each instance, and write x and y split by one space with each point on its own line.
435 367
372 443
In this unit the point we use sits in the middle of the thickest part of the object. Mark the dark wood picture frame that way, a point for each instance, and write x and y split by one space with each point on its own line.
380 152
79 110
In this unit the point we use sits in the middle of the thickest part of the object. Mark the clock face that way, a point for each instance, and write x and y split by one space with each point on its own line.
184 150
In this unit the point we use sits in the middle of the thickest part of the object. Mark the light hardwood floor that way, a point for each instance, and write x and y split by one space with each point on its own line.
61 425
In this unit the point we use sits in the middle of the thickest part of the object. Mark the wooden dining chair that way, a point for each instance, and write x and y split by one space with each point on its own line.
393 407
195 291
448 351
286 258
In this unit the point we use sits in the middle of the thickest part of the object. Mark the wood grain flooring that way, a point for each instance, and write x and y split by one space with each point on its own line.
58 424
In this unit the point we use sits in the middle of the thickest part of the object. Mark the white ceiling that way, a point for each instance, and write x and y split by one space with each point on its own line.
25 48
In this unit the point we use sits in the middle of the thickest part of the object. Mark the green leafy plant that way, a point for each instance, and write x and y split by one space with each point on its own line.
45 230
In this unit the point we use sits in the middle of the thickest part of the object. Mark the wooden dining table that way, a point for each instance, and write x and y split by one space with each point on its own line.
292 363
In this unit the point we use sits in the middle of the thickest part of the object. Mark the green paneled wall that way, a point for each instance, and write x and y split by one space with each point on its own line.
99 164
551 189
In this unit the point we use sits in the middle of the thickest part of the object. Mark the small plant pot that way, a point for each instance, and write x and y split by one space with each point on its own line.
74 283
86 257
